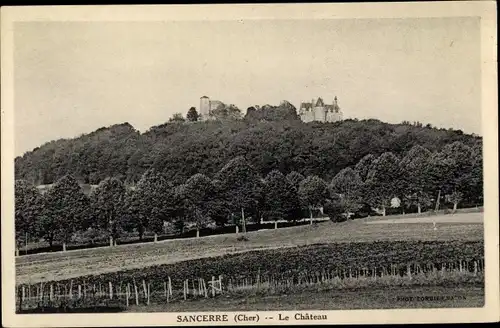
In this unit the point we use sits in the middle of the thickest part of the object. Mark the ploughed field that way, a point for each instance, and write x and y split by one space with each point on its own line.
449 238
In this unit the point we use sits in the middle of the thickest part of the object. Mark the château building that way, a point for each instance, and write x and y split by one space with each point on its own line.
207 106
316 110
319 111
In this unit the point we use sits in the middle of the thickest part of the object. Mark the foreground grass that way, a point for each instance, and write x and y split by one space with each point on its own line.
372 298
73 264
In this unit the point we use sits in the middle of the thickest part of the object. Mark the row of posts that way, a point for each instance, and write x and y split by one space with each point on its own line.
194 287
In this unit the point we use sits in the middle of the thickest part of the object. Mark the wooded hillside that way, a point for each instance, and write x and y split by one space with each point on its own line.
179 150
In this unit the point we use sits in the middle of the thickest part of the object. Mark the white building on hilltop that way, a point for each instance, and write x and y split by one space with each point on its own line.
319 111
207 106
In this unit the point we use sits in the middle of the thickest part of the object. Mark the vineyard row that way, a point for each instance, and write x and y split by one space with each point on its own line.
147 291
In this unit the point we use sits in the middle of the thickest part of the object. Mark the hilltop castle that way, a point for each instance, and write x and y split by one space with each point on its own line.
319 111
207 106
316 110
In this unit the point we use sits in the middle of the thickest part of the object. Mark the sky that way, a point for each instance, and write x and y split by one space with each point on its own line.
72 78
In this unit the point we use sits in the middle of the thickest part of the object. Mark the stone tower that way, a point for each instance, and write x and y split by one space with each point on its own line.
204 108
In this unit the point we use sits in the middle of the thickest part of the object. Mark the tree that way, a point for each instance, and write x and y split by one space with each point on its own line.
347 185
415 182
364 165
48 223
233 112
313 192
476 175
220 112
240 186
177 117
28 206
156 201
198 195
295 179
132 210
455 197
281 198
65 209
192 115
108 201
226 112
285 111
451 171
220 212
180 210
181 150
382 181
335 209
250 112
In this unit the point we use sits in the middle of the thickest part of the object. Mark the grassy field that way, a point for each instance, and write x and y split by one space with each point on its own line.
72 264
380 298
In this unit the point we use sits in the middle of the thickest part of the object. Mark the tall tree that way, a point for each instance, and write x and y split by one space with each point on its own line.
240 186
281 198
313 192
199 198
132 211
415 182
347 184
192 115
156 196
66 206
180 211
451 171
220 210
382 181
476 175
108 201
28 206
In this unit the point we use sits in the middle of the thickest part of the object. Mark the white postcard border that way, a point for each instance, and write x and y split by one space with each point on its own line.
485 9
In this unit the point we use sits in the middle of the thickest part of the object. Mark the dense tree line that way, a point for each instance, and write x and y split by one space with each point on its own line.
238 193
270 138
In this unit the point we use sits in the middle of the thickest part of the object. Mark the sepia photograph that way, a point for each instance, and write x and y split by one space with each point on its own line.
217 162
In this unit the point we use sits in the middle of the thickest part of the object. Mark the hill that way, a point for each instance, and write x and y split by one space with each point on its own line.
181 149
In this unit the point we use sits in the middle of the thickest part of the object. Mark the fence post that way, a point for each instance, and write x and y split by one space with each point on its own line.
136 294
144 287
213 286
18 292
110 290
204 288
127 293
71 290
149 293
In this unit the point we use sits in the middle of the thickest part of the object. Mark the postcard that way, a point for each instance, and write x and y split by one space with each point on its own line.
249 164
